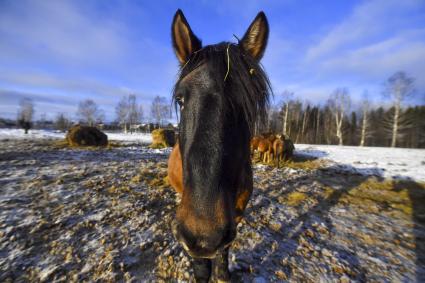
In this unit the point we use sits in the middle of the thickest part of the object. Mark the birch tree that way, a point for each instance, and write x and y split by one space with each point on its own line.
160 109
134 111
121 111
365 120
128 112
317 140
340 102
287 95
89 113
398 87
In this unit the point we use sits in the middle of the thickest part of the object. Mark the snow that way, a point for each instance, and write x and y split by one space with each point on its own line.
381 161
6 134
136 137
49 134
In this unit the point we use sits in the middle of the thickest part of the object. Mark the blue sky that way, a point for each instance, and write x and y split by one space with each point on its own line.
61 52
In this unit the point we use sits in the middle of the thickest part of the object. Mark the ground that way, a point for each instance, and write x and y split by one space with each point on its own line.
104 214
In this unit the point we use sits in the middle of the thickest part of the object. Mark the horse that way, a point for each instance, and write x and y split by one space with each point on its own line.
220 92
278 149
265 148
254 144
283 149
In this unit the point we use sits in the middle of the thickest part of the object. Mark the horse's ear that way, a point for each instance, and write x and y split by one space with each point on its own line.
185 41
255 39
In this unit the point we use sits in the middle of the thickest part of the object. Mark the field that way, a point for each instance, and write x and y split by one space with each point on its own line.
334 214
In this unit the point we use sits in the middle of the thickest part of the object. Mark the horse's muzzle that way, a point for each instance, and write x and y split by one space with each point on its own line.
200 248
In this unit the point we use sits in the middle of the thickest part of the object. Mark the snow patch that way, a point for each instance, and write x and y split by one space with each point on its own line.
19 134
397 163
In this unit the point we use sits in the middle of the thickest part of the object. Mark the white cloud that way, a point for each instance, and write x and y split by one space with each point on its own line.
57 30
367 22
39 80
379 38
379 60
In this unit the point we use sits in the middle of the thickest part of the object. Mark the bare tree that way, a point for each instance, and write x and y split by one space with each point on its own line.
141 112
285 107
89 113
365 119
339 102
62 123
160 109
398 87
121 111
128 112
317 125
306 116
134 114
25 114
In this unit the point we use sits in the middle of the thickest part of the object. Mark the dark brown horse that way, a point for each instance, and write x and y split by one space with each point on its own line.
283 149
221 91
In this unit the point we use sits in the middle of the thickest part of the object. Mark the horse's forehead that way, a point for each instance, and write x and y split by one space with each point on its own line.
201 77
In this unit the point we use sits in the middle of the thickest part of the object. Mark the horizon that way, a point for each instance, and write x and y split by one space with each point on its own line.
60 53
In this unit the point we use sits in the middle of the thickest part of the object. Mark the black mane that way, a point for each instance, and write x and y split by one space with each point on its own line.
246 85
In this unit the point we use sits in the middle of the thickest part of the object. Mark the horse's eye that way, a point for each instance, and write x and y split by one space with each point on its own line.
180 100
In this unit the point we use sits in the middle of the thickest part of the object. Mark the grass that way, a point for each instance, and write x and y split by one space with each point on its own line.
294 198
304 165
404 196
297 163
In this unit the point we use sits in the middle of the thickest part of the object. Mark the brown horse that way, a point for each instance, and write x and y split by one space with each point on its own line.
278 149
283 149
254 144
221 91
265 148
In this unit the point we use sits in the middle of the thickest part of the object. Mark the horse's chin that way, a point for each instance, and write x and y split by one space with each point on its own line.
209 256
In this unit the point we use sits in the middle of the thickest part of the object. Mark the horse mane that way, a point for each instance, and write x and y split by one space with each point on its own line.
245 83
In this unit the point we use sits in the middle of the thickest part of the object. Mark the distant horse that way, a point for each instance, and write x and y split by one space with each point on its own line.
254 144
278 149
265 148
283 149
221 91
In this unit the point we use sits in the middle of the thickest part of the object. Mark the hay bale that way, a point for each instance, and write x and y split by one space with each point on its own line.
163 138
86 136
288 149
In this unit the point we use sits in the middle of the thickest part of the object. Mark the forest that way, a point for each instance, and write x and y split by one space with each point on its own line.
313 124
338 122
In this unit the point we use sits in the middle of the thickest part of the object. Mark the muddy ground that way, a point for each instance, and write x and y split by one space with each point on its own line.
104 214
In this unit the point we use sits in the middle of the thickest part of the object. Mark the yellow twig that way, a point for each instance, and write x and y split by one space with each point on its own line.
228 62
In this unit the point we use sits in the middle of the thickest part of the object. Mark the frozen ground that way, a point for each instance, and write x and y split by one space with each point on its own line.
104 214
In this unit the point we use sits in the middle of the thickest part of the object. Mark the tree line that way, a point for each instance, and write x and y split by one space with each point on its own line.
129 114
336 122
